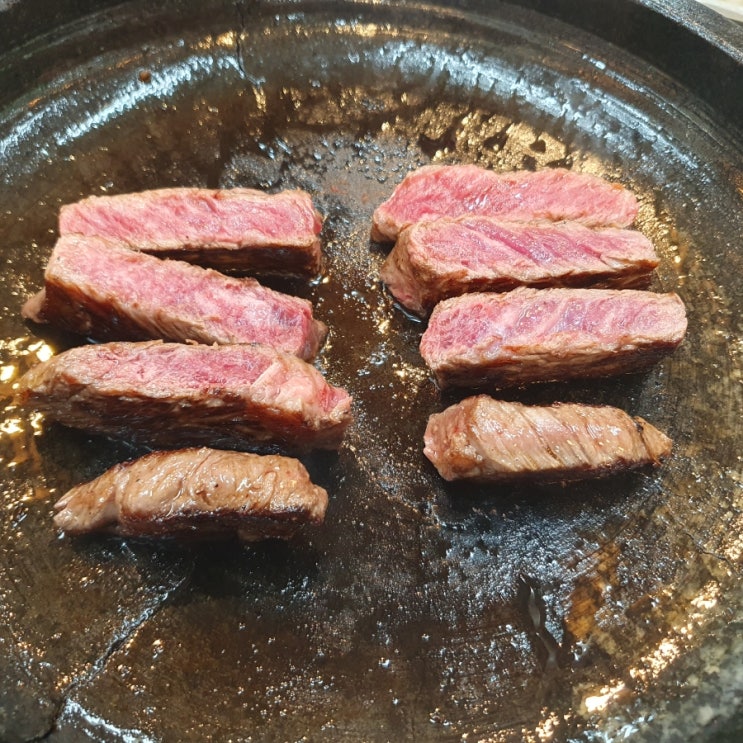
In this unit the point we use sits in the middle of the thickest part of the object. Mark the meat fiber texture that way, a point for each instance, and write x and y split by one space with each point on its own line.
489 440
107 292
196 493
237 228
171 395
534 335
446 257
435 191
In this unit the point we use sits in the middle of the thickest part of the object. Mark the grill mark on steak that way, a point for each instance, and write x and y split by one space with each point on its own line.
535 335
196 493
435 191
442 258
171 395
488 440
107 292
239 228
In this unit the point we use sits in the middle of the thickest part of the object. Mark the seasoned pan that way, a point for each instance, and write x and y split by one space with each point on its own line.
420 611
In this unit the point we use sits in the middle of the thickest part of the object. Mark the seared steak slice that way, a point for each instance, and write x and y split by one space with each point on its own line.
448 257
173 394
489 440
237 228
108 292
533 335
455 190
196 493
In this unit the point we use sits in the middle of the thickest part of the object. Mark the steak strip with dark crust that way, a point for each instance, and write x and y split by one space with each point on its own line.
196 493
487 440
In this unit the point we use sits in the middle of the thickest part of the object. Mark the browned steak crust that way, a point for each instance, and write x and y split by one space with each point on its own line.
196 493
489 440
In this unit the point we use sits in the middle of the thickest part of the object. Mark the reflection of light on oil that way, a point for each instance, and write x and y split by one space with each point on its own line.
35 419
122 99
405 372
600 701
547 727
260 98
37 493
383 325
11 426
669 648
22 346
365 30
74 710
734 550
42 350
544 732
20 434
667 651
708 597
25 352
228 39
503 737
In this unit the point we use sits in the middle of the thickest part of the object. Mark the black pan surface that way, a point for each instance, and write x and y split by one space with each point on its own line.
420 611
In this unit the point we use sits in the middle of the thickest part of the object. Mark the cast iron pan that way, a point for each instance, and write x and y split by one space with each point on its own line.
419 611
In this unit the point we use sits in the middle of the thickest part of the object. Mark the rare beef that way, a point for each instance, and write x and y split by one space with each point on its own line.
447 257
237 228
196 493
489 440
533 335
170 395
108 292
455 190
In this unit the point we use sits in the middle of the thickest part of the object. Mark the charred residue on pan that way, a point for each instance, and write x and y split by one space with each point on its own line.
419 609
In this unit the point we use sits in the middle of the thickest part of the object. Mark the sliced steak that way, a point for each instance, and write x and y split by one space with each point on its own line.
196 493
437 191
237 228
108 292
489 440
447 257
533 335
172 394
